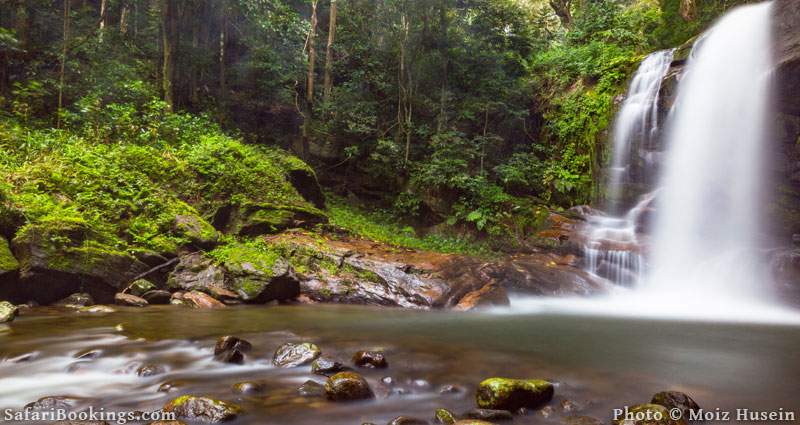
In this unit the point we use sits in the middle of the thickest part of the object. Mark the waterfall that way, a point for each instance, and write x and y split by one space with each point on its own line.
611 248
636 124
705 239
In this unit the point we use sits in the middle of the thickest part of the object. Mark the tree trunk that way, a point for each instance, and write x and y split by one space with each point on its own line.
103 12
443 52
562 10
62 68
328 83
312 60
223 38
168 66
123 19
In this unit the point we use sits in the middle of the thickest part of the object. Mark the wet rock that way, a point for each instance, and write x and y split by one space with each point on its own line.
202 409
129 300
569 406
140 286
197 299
97 309
407 420
150 370
511 394
582 420
88 354
311 389
370 359
171 386
249 387
491 295
293 355
676 400
444 417
196 272
222 294
450 389
7 312
53 403
489 415
647 414
198 231
157 296
230 349
8 263
76 300
546 411
345 386
327 366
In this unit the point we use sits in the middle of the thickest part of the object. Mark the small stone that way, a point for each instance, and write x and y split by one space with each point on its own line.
676 400
444 417
140 287
129 300
293 355
569 406
8 312
370 359
197 299
407 420
489 415
451 389
170 386
150 370
345 386
157 297
97 309
249 387
76 300
387 380
311 389
511 394
546 411
230 349
202 409
53 403
326 366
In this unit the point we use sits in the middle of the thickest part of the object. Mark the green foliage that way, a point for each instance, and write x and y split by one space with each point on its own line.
381 226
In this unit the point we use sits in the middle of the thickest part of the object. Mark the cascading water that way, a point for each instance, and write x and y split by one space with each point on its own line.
707 221
612 248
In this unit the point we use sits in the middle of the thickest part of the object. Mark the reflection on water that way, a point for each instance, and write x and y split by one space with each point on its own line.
598 363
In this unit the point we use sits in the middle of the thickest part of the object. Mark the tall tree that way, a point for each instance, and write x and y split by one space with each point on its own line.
327 83
63 66
562 8
168 30
310 72
223 38
103 13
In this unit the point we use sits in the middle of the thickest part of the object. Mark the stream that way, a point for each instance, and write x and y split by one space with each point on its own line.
597 364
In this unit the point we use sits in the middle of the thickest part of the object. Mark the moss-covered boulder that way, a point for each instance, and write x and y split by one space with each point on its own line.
647 414
347 386
257 272
198 231
202 409
444 417
7 311
8 263
60 256
293 355
512 394
256 219
140 287
196 272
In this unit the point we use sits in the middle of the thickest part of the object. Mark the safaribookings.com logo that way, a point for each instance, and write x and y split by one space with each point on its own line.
89 415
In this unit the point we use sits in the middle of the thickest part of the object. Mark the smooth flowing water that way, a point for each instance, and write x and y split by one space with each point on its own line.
598 364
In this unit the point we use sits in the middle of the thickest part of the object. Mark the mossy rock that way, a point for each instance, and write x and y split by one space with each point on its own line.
648 414
257 272
253 219
444 417
198 231
7 311
294 355
8 262
512 394
202 409
347 386
58 257
140 287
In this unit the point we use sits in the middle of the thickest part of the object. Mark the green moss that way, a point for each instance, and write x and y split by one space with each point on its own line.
7 260
511 394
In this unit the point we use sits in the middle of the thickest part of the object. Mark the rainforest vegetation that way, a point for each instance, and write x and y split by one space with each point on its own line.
452 118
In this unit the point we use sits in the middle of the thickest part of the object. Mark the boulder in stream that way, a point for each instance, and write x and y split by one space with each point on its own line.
76 300
293 355
327 366
444 417
197 299
7 311
130 300
202 409
512 394
230 349
249 387
370 359
489 415
346 386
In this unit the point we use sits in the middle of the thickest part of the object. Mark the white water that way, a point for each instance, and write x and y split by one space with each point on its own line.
706 262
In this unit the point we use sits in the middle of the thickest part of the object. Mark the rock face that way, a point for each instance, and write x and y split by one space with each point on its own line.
513 394
293 355
787 33
202 409
346 386
253 282
54 256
